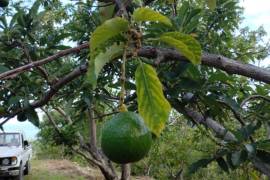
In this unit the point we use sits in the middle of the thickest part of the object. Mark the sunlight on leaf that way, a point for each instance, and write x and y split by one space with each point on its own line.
212 4
96 64
147 14
185 44
107 30
152 105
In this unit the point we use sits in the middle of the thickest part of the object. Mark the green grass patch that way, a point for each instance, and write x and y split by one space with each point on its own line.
39 172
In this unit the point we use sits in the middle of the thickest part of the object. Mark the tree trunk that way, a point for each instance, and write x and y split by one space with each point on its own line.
105 167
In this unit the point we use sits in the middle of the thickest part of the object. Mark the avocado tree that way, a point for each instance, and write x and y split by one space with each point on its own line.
150 57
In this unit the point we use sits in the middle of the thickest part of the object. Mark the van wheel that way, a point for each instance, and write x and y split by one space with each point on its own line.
20 176
27 168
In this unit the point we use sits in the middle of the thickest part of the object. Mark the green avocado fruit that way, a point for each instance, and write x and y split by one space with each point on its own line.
4 3
125 138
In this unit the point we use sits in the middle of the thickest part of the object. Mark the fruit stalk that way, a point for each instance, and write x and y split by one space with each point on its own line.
122 107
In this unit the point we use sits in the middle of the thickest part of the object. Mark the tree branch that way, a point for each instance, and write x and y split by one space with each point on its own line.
212 60
62 112
53 90
34 64
219 130
106 167
89 159
255 97
93 127
51 121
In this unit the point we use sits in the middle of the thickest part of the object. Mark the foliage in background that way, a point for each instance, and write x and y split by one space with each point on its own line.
32 31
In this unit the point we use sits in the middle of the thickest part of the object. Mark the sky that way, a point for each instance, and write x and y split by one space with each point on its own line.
256 13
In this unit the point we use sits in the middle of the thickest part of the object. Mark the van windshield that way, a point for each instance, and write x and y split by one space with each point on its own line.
9 139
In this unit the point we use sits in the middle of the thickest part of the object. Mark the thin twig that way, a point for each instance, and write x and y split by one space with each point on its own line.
62 112
90 159
254 97
31 65
51 120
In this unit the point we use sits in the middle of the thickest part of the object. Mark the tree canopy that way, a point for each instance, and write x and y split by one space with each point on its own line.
79 61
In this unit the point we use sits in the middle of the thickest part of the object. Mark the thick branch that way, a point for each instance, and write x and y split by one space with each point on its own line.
59 84
211 60
218 129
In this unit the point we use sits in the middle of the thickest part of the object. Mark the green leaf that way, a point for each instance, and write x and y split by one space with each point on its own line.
202 163
147 14
212 4
245 132
34 9
152 105
263 155
222 164
229 161
96 64
106 11
251 149
236 160
3 69
107 30
232 103
14 100
3 21
21 19
263 145
185 44
32 116
254 176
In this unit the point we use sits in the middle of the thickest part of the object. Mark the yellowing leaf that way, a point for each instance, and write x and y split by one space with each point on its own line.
147 14
212 4
185 44
254 176
152 105
107 30
96 64
170 1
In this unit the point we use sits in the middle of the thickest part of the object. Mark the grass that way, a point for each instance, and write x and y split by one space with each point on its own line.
39 173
